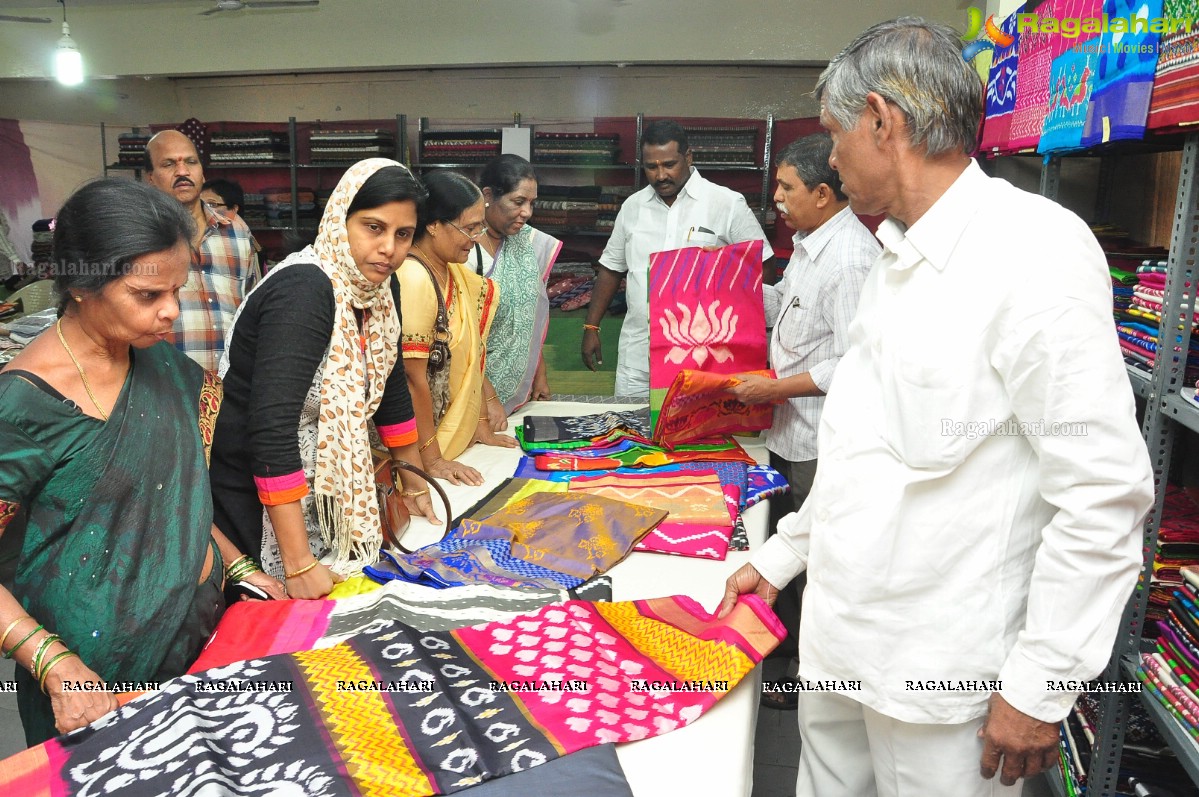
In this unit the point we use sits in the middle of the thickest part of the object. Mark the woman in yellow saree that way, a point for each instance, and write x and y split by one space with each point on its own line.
447 311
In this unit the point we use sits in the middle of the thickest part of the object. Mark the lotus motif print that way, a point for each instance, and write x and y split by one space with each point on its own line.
701 335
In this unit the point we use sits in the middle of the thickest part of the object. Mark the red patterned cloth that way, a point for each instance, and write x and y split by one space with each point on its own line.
698 406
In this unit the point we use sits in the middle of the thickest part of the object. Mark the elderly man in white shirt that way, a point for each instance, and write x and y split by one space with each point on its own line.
974 528
678 208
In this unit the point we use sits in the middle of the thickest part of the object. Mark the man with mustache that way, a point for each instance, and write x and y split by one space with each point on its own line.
678 208
223 260
810 309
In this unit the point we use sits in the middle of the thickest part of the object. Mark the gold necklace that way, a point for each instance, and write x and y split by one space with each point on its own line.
428 261
86 385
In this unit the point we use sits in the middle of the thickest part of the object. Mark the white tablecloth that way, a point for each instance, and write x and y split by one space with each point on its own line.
714 755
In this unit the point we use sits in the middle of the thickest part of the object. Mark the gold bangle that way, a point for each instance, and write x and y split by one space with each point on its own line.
592 327
492 396
302 570
413 493
42 648
427 443
241 568
484 418
25 639
41 682
234 564
11 626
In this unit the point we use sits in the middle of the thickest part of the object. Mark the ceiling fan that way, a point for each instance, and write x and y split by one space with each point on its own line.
7 18
238 5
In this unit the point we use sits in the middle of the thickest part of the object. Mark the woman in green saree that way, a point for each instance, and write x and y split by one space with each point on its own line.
103 432
518 258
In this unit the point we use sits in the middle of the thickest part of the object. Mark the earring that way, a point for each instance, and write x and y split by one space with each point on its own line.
486 204
78 298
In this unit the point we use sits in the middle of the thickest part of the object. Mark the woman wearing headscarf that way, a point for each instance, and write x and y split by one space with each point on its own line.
448 311
518 258
310 367
103 430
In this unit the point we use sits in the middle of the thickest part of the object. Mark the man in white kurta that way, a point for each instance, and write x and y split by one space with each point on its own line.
678 208
973 531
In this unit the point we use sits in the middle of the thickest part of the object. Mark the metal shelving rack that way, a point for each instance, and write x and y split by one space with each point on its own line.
422 127
1168 406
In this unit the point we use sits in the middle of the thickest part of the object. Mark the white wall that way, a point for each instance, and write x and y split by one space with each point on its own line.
169 38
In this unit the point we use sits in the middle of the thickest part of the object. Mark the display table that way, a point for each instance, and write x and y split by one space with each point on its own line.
714 755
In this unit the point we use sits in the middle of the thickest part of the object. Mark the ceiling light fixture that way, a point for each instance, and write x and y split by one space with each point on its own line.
68 63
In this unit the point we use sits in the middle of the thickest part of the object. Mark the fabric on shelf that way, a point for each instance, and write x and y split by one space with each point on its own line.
1037 53
705 313
1001 88
1175 97
319 738
1124 82
1071 82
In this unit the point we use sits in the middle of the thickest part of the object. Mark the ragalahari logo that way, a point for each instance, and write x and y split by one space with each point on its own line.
975 26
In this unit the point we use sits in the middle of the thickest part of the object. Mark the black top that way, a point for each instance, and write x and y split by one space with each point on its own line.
278 344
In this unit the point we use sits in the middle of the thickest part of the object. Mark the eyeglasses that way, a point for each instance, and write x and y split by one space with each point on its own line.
217 205
474 236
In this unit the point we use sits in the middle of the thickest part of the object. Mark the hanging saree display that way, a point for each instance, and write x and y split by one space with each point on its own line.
705 313
1001 88
1124 83
404 712
1175 98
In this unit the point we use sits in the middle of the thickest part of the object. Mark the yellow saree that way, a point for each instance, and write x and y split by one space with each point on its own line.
471 304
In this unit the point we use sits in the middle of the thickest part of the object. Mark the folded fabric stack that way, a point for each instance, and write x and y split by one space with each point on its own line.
567 288
251 148
1177 547
343 147
565 207
522 536
1145 756
131 149
254 211
581 149
610 200
460 146
42 249
277 201
1170 673
727 146
1138 316
611 454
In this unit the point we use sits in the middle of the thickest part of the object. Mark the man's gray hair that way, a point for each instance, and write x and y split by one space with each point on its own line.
809 157
918 67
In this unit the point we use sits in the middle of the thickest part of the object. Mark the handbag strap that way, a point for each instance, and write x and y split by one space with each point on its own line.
441 324
429 480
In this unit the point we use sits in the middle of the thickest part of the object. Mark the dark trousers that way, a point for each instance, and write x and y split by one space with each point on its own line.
800 476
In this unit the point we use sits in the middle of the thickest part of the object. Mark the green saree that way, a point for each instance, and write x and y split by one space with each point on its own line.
521 267
119 522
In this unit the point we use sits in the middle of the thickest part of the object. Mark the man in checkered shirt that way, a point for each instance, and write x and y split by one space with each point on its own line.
810 310
224 266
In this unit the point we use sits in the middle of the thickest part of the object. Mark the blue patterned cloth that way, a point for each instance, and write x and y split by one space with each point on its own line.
1127 61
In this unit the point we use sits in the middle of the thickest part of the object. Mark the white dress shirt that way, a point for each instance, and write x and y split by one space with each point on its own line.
702 214
810 309
942 543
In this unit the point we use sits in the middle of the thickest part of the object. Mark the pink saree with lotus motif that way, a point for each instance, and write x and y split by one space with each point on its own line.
705 314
